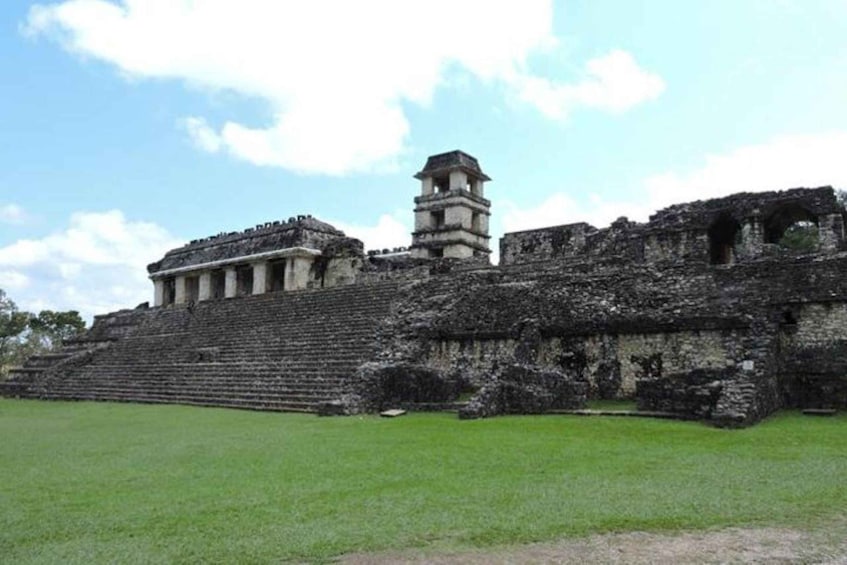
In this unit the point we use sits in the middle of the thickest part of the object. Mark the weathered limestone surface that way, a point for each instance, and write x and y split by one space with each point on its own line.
380 386
682 232
729 344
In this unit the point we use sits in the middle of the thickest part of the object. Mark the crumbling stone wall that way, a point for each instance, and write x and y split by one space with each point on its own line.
682 232
813 354
379 386
686 336
519 386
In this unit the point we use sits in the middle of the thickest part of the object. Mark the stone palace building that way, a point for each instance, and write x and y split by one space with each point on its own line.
722 310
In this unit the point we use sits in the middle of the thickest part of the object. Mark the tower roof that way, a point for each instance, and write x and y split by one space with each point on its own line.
450 161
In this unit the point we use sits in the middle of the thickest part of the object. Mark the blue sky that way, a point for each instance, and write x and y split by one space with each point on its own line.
128 127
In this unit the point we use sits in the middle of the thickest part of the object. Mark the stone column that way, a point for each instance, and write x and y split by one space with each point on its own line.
260 277
458 180
297 272
179 290
230 282
427 186
205 291
158 292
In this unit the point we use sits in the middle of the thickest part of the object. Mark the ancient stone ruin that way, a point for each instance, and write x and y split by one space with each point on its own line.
722 310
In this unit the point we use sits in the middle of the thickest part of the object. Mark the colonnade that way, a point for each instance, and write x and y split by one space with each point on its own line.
287 269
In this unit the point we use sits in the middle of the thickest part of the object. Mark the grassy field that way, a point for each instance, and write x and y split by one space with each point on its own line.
83 482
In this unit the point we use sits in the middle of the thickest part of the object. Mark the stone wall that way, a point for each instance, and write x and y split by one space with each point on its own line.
687 232
813 354
704 341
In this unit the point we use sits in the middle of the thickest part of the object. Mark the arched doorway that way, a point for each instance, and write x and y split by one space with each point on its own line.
792 227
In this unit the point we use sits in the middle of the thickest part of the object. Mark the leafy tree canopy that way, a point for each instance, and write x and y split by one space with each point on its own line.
12 322
23 334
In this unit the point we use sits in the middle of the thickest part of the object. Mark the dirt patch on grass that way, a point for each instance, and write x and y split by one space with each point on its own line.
734 545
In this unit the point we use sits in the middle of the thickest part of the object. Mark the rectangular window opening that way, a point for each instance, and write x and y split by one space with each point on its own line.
438 219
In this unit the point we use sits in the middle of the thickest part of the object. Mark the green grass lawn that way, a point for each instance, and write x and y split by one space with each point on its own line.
83 482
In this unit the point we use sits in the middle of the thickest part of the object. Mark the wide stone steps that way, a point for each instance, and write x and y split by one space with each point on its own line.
101 393
281 351
281 406
293 386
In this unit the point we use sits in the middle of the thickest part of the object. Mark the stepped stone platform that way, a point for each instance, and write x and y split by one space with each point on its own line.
722 311
279 351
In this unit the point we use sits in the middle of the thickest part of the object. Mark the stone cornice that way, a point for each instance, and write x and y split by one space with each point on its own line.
267 255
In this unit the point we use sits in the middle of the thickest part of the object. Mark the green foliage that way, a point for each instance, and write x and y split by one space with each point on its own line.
52 327
23 334
97 482
12 324
800 236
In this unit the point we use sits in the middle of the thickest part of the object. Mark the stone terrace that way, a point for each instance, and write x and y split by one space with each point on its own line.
280 351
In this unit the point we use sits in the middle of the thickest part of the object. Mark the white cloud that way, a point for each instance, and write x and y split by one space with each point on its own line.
388 233
204 137
13 280
614 83
12 214
786 161
96 265
335 73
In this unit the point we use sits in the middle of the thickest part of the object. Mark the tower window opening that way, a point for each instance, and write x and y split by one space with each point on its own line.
441 184
438 219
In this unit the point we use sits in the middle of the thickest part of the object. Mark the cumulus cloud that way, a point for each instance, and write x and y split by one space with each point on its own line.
96 265
12 214
335 74
786 161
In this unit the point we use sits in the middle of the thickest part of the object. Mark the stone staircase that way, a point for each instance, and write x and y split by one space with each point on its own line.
283 351
33 370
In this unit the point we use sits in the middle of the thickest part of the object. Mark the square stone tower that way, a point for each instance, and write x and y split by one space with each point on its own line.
451 214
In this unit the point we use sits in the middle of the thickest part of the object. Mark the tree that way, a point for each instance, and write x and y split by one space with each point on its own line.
800 236
13 323
23 334
50 327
